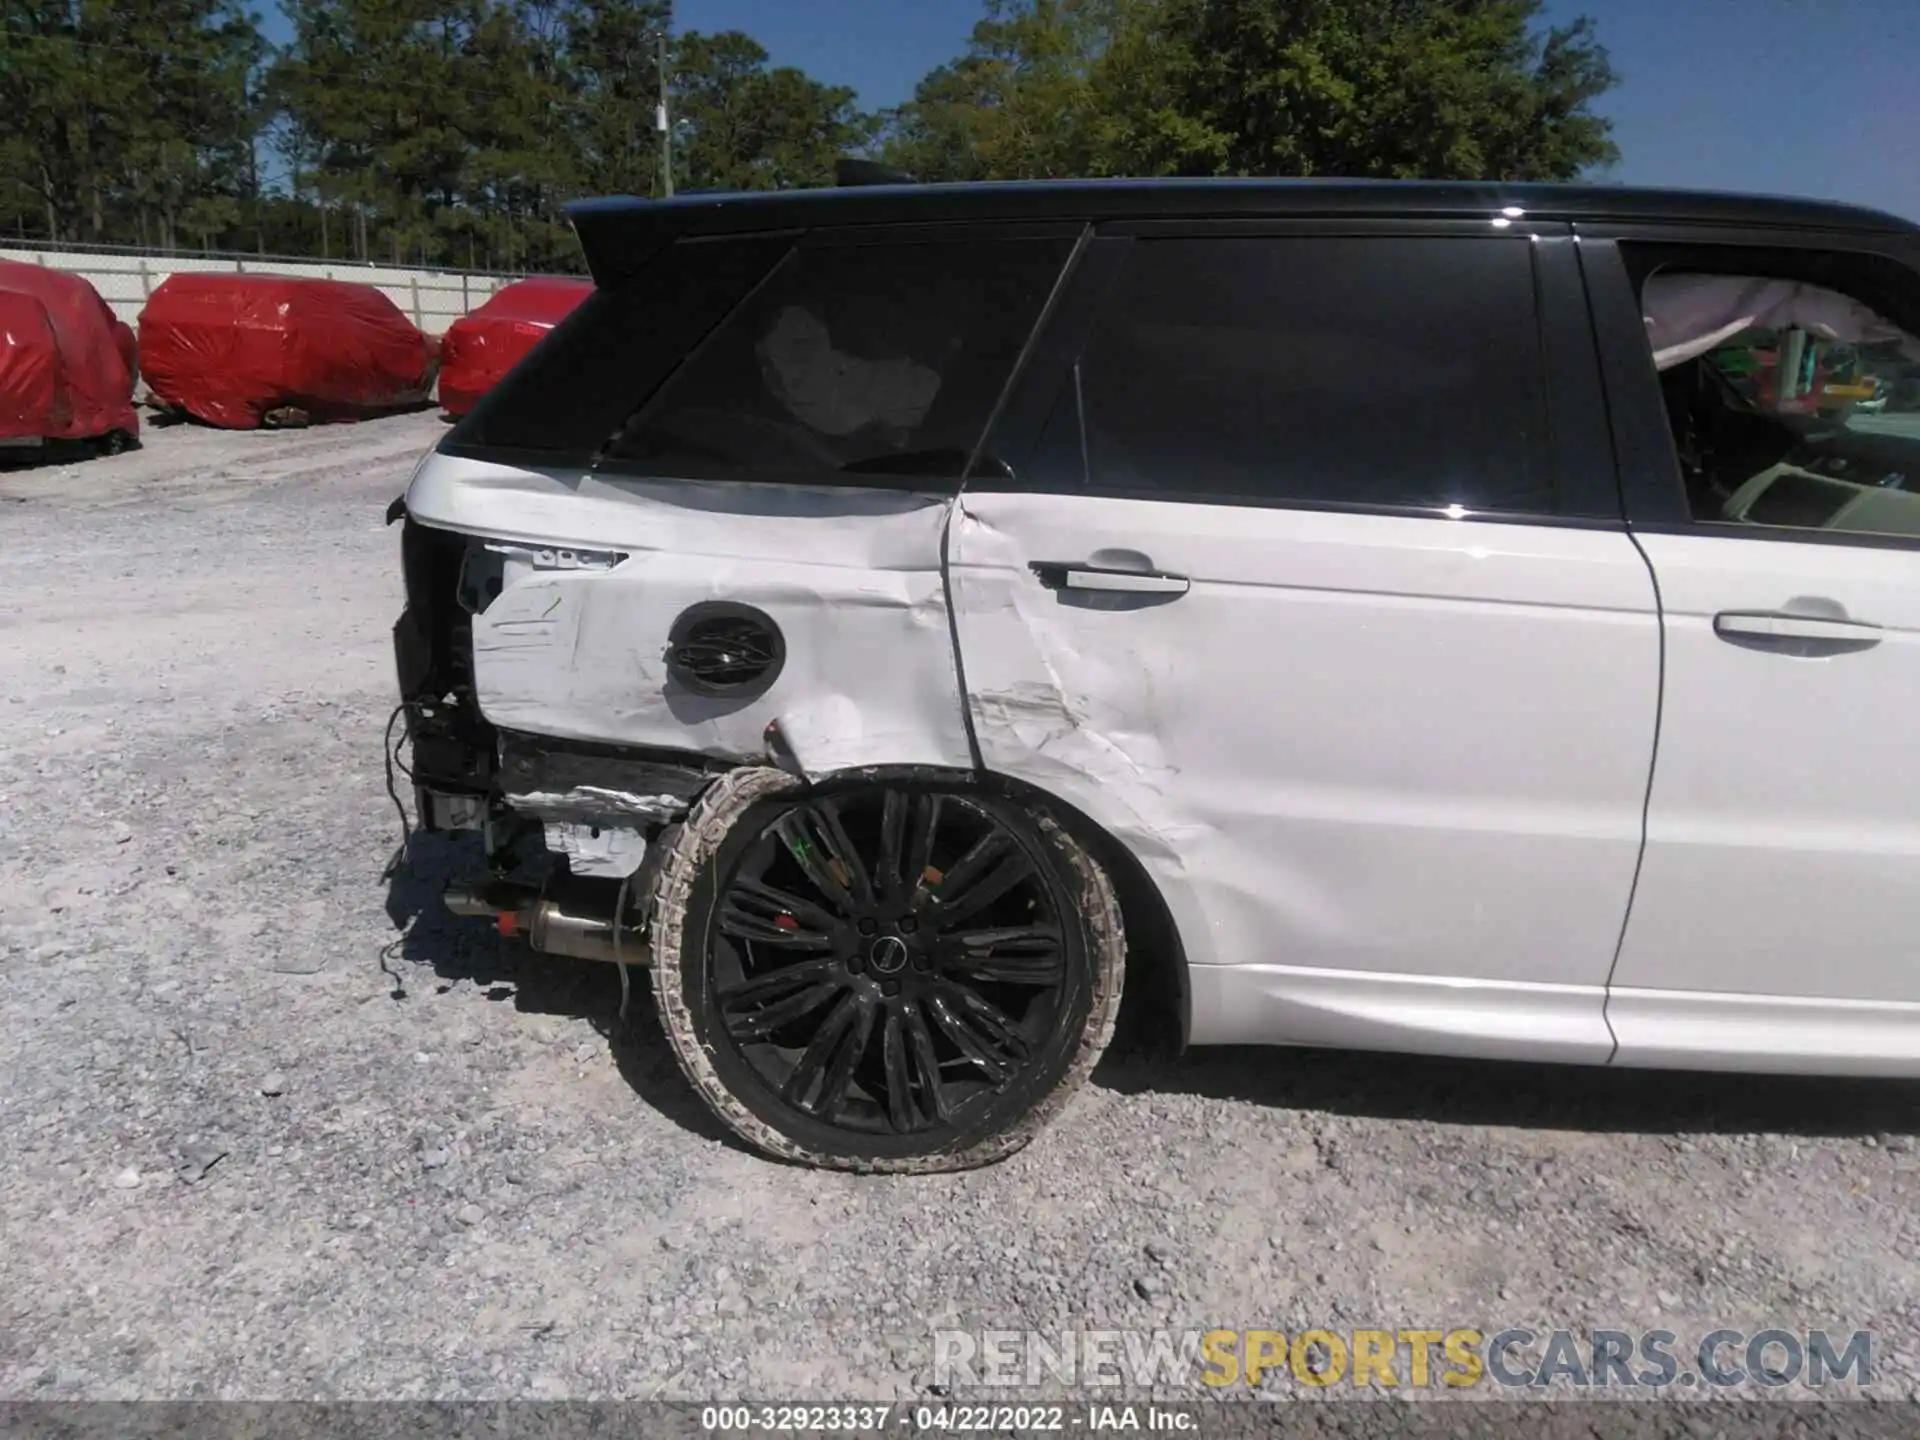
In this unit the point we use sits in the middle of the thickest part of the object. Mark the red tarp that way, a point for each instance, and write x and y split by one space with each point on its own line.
480 348
231 350
63 375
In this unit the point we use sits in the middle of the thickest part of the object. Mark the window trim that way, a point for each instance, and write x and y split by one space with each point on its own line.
1651 485
1573 446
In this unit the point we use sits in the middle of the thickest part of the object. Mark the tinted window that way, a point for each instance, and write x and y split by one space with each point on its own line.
855 360
1394 372
577 386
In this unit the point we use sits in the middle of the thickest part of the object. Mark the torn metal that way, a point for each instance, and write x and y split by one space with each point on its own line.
554 781
601 851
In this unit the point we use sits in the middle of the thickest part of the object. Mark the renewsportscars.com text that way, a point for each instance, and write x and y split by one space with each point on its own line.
1406 1358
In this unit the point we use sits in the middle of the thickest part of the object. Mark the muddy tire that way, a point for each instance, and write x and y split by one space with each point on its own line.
883 977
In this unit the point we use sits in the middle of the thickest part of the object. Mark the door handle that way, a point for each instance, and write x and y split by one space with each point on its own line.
1786 633
1063 575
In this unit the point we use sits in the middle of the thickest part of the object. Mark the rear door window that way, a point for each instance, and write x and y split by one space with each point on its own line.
1792 388
1372 372
851 363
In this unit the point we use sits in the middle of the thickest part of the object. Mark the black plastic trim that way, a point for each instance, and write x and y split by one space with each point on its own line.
615 231
1250 502
1651 487
1779 534
1586 483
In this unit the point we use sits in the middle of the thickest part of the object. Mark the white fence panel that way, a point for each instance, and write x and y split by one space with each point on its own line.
432 299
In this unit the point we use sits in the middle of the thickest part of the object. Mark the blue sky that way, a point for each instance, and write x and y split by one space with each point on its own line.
1804 97
1800 97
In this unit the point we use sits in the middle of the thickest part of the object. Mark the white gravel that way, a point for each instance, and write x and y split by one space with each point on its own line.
241 1159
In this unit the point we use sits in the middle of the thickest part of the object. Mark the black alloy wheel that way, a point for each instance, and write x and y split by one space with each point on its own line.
899 976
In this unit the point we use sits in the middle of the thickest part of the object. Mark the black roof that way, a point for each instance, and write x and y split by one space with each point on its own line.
616 232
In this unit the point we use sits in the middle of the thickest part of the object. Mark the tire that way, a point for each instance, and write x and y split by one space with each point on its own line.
832 1014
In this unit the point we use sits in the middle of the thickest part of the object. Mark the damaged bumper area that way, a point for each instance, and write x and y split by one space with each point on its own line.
572 700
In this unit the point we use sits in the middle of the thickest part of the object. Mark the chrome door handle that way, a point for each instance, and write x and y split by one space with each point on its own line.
1062 575
1791 634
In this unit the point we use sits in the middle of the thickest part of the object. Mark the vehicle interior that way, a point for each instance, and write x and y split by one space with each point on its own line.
1788 426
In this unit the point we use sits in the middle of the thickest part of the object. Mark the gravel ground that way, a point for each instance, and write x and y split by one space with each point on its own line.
273 1129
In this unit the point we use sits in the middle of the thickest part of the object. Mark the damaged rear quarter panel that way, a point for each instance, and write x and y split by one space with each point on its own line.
851 576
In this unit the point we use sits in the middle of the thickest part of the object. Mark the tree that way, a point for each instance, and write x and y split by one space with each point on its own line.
453 131
1438 89
119 109
609 58
426 120
1022 103
746 127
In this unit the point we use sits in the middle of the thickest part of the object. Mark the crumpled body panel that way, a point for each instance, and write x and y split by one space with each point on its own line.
1358 745
65 372
231 349
851 577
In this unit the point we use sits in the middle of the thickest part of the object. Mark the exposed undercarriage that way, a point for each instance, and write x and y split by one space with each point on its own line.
576 816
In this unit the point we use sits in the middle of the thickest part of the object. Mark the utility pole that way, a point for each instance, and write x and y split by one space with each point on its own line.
663 124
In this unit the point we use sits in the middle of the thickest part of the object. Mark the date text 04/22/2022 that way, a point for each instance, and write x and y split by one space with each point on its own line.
945 1419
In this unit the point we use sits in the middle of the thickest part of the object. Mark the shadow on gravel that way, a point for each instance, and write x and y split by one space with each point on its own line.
1544 1097
439 950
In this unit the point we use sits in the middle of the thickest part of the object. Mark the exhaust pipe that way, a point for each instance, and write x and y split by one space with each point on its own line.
568 916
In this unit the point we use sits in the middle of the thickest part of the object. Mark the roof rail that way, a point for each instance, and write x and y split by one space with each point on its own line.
868 172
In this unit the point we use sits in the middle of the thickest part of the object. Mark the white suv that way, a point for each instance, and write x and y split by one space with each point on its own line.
1365 615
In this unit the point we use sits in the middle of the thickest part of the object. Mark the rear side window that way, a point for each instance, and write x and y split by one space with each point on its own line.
577 387
1374 372
848 362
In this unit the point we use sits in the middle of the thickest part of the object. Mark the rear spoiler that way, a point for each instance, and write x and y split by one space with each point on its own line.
621 233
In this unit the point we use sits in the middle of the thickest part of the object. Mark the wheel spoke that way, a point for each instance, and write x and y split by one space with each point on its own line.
775 983
996 1029
962 899
757 897
926 1063
827 818
810 855
972 865
926 824
737 921
1020 955
969 1044
888 878
853 1044
820 1050
747 1022
893 1045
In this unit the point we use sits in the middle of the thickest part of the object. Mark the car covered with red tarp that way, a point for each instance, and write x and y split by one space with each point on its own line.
64 366
482 347
241 351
